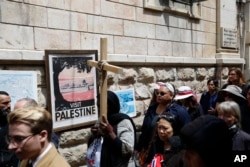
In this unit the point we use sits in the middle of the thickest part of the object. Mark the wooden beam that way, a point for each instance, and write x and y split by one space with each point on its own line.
103 91
106 66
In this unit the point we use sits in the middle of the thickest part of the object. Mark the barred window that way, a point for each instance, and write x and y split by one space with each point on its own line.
184 1
190 8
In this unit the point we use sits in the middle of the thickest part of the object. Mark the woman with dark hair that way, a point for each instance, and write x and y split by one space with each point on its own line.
187 99
117 135
162 104
163 144
209 98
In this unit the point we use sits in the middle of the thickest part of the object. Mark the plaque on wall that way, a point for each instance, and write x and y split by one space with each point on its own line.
228 38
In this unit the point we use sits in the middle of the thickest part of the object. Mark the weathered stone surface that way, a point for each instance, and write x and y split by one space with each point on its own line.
42 97
74 155
186 74
139 105
23 14
224 73
211 72
70 138
111 77
16 37
126 45
201 73
48 39
141 91
165 74
146 75
128 76
159 48
136 29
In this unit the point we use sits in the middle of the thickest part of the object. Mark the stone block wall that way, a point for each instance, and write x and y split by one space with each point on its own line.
35 25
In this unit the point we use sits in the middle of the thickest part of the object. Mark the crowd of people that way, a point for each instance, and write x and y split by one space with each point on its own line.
217 123
178 130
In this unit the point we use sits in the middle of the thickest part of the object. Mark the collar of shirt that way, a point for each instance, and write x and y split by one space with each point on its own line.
34 163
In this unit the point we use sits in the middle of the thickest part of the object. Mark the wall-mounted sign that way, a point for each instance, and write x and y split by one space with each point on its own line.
72 87
19 84
228 38
127 101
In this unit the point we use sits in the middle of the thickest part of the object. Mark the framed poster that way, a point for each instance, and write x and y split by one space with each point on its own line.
19 84
127 101
72 88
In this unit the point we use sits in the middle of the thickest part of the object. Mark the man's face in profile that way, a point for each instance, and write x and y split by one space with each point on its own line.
4 105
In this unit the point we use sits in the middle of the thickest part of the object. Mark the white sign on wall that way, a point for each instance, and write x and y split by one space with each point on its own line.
228 38
19 84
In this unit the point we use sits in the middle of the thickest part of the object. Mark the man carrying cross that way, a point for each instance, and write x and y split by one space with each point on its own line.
113 137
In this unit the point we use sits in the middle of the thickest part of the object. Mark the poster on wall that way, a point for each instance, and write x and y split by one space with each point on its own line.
127 101
72 88
19 84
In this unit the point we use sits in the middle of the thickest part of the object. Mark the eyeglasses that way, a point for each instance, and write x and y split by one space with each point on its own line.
17 140
169 117
160 93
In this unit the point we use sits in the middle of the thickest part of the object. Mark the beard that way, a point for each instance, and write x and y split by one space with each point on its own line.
4 113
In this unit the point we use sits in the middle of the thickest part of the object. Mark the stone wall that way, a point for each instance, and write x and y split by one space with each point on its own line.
35 25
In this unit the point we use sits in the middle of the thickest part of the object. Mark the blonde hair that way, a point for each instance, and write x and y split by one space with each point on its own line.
37 118
230 108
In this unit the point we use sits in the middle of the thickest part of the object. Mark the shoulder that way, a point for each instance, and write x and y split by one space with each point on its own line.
185 158
24 163
244 135
151 113
58 159
224 86
125 122
205 95
151 109
175 106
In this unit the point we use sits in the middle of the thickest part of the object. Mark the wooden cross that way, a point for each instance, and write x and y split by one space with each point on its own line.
104 67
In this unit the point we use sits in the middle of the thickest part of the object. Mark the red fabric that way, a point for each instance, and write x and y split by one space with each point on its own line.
156 161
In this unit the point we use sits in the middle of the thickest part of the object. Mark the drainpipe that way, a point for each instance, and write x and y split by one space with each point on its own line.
242 31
